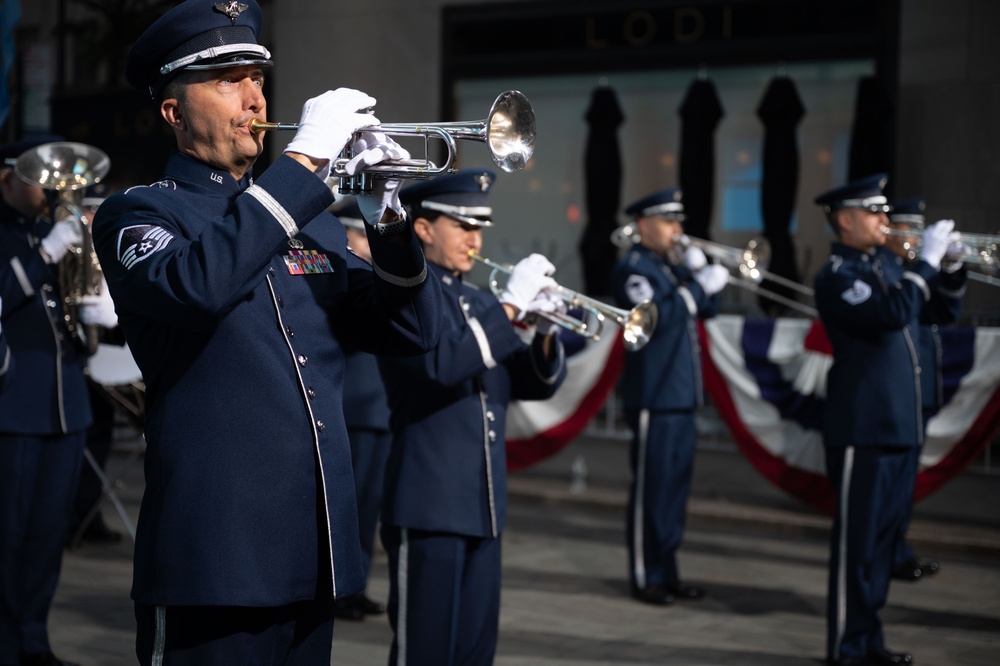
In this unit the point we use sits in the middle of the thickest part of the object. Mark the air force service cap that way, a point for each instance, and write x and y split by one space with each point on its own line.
196 34
862 193
463 195
665 203
908 211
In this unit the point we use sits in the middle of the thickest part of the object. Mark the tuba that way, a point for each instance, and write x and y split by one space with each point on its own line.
65 169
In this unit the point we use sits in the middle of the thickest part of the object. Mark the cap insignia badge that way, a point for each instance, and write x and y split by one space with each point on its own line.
483 180
232 9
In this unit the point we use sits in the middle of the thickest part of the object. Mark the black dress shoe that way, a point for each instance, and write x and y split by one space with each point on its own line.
909 570
44 659
98 532
369 606
653 594
688 592
348 608
886 658
929 568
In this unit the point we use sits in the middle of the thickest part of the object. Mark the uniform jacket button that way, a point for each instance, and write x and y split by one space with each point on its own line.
493 435
289 331
311 393
491 416
320 426
303 360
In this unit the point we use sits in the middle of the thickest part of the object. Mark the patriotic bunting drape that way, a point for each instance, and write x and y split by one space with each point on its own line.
767 380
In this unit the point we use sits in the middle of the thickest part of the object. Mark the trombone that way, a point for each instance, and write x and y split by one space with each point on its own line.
508 132
637 324
751 262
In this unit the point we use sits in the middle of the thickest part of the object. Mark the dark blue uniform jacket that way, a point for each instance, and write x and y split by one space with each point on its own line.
665 375
236 315
870 307
448 467
48 395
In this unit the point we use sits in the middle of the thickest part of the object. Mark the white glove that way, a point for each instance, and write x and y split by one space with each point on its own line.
937 237
955 254
98 310
65 233
694 258
385 194
530 276
712 278
545 303
373 148
329 122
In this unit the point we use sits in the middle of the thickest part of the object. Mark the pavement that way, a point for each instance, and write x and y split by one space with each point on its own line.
760 554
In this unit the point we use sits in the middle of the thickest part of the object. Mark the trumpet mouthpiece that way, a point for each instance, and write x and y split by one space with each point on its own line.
258 126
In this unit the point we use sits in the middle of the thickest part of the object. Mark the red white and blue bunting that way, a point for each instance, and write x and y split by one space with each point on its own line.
767 380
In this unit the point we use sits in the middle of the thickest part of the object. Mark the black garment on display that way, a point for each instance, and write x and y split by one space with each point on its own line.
780 111
873 133
603 176
700 114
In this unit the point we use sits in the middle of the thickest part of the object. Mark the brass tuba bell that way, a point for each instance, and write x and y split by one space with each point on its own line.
67 168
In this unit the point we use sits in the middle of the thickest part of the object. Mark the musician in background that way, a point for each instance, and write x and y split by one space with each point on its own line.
44 412
237 294
366 414
445 493
661 389
872 423
944 308
99 437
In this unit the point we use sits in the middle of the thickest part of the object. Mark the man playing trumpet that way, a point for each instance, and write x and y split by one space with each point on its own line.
445 495
237 296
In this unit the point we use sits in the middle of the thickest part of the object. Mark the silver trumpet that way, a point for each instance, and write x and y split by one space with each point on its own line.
979 251
637 324
508 132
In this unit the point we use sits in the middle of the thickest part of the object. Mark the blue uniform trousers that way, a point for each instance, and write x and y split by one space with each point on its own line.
444 597
903 553
298 634
662 458
868 485
38 476
369 451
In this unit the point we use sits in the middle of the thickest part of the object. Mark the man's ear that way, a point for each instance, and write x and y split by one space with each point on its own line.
422 228
170 109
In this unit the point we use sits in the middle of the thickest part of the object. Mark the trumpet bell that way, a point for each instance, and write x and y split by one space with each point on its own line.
63 166
510 131
638 325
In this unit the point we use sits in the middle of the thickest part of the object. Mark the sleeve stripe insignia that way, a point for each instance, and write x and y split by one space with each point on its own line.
139 242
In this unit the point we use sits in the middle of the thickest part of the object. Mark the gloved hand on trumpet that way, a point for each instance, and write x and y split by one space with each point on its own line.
328 123
369 149
540 311
937 237
528 277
